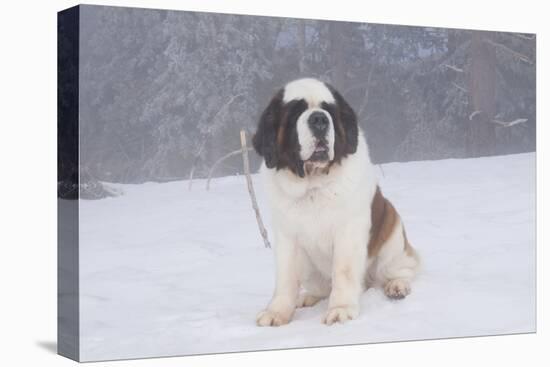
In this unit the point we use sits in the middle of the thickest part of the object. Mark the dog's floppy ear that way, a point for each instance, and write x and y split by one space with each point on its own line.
265 139
348 119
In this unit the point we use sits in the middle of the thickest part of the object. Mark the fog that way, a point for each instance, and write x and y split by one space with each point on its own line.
163 92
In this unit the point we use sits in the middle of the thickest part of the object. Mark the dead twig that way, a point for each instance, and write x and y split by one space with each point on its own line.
515 54
459 87
246 165
207 135
509 123
218 162
382 170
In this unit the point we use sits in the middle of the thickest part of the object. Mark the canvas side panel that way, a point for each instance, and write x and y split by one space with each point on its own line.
67 183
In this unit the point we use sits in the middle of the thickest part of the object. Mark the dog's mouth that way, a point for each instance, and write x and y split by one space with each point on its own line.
320 153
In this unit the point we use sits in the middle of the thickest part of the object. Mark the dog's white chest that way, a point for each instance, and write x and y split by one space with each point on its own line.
314 220
315 213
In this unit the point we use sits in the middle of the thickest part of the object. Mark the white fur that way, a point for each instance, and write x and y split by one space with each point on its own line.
313 90
321 227
305 136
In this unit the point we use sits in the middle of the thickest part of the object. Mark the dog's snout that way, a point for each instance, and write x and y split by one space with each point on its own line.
318 122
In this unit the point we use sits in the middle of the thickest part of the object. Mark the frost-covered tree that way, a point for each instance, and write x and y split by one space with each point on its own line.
165 93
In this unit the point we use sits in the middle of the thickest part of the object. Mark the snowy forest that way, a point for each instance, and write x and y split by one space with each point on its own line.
166 92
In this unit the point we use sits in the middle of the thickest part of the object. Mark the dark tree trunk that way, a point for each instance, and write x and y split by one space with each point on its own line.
337 52
481 135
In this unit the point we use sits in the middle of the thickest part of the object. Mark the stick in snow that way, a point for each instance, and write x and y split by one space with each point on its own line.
246 165
382 170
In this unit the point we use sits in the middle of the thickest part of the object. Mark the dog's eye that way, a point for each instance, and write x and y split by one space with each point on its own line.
330 108
295 113
327 106
296 109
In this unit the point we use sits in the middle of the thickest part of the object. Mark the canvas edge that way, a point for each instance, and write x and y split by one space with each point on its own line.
68 315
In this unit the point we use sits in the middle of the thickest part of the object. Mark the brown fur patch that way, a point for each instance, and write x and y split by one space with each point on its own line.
340 140
282 128
384 218
340 132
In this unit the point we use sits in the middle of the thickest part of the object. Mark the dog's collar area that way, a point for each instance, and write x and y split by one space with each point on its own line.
312 168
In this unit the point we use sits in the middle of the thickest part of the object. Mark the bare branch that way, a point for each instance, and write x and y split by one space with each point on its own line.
382 170
367 91
229 101
473 114
454 68
218 162
459 87
190 179
207 135
460 49
516 54
522 36
250 187
509 123
195 161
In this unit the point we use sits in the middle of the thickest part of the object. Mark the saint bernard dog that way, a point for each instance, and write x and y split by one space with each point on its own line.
335 233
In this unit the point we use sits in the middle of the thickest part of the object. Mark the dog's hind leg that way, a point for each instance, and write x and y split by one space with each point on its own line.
397 264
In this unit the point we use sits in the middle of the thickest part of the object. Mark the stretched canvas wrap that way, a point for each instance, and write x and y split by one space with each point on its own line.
160 249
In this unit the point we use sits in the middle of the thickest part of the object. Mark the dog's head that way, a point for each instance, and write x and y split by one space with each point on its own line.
307 126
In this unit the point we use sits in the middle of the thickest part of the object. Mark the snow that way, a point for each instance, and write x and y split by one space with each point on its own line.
166 271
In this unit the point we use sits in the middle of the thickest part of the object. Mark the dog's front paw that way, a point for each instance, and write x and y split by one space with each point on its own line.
340 314
271 318
397 288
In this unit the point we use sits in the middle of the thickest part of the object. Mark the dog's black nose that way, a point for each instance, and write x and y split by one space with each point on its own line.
318 123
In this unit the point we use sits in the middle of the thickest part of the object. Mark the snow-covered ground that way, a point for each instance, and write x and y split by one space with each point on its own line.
167 271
